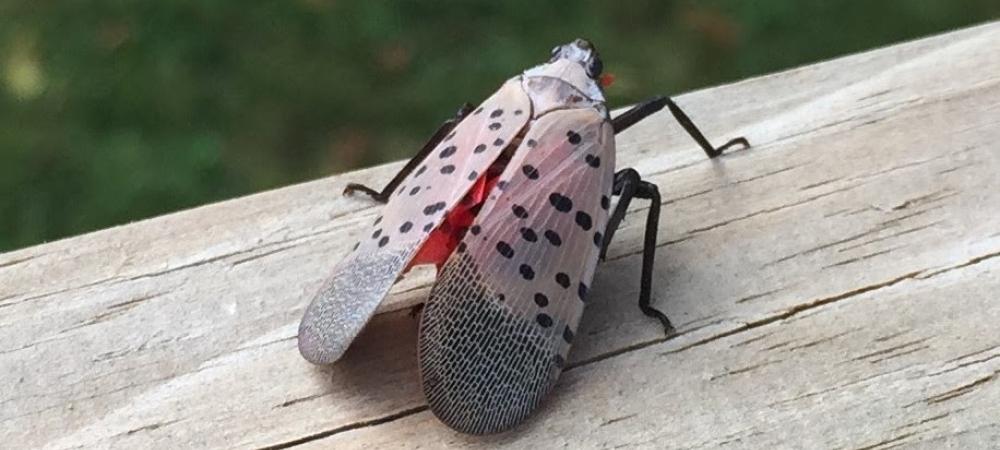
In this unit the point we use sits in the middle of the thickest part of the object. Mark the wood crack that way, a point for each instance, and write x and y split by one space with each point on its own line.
353 426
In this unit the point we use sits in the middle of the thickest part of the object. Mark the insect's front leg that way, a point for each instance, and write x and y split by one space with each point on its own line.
648 107
383 195
628 185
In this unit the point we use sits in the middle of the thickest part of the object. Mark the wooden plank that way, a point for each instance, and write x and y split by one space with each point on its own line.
834 287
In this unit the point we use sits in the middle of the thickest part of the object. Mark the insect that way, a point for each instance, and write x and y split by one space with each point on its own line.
513 202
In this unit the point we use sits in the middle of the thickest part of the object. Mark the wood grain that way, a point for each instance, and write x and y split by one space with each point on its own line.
834 287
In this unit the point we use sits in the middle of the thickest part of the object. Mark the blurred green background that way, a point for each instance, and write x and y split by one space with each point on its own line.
112 111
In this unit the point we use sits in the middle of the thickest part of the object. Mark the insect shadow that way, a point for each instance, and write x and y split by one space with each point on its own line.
382 362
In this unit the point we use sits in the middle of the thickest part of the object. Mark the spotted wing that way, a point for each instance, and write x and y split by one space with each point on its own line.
361 281
498 325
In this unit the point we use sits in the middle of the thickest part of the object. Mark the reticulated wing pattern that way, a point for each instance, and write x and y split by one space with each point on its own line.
496 330
361 281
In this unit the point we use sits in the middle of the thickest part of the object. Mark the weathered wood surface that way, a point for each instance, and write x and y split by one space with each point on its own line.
834 287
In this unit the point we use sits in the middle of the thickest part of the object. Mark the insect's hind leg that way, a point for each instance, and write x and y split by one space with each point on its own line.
648 107
628 185
383 195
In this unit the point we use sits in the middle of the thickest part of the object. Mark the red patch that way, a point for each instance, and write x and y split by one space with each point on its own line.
607 80
443 239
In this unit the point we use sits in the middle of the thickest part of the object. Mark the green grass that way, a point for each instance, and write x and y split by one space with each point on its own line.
112 111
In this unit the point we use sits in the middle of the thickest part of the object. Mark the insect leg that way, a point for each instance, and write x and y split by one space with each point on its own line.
628 185
383 195
647 108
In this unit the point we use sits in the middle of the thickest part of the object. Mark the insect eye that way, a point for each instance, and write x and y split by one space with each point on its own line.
595 67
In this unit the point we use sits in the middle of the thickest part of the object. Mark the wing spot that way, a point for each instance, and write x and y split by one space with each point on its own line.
583 220
529 235
560 202
573 137
377 233
531 143
473 175
581 291
498 142
414 190
541 300
448 151
520 212
605 202
518 112
479 148
568 335
420 171
406 227
447 169
475 230
593 161
553 238
527 272
502 185
428 227
495 126
544 320
383 241
530 171
497 113
562 279
433 208
505 250
598 239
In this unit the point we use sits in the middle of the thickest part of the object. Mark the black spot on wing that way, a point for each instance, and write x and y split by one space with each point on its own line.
527 272
562 279
505 249
553 238
560 202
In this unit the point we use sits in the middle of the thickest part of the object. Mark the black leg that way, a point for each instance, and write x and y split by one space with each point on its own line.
629 185
647 108
383 195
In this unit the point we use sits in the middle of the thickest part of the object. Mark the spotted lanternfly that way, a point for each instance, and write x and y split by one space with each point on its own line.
512 202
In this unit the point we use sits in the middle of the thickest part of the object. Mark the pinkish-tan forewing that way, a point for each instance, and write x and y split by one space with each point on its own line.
361 281
499 322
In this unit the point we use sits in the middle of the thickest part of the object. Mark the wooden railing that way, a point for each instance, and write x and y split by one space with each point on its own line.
836 286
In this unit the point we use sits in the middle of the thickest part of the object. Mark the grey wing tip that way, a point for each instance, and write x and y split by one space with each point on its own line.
316 348
345 303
